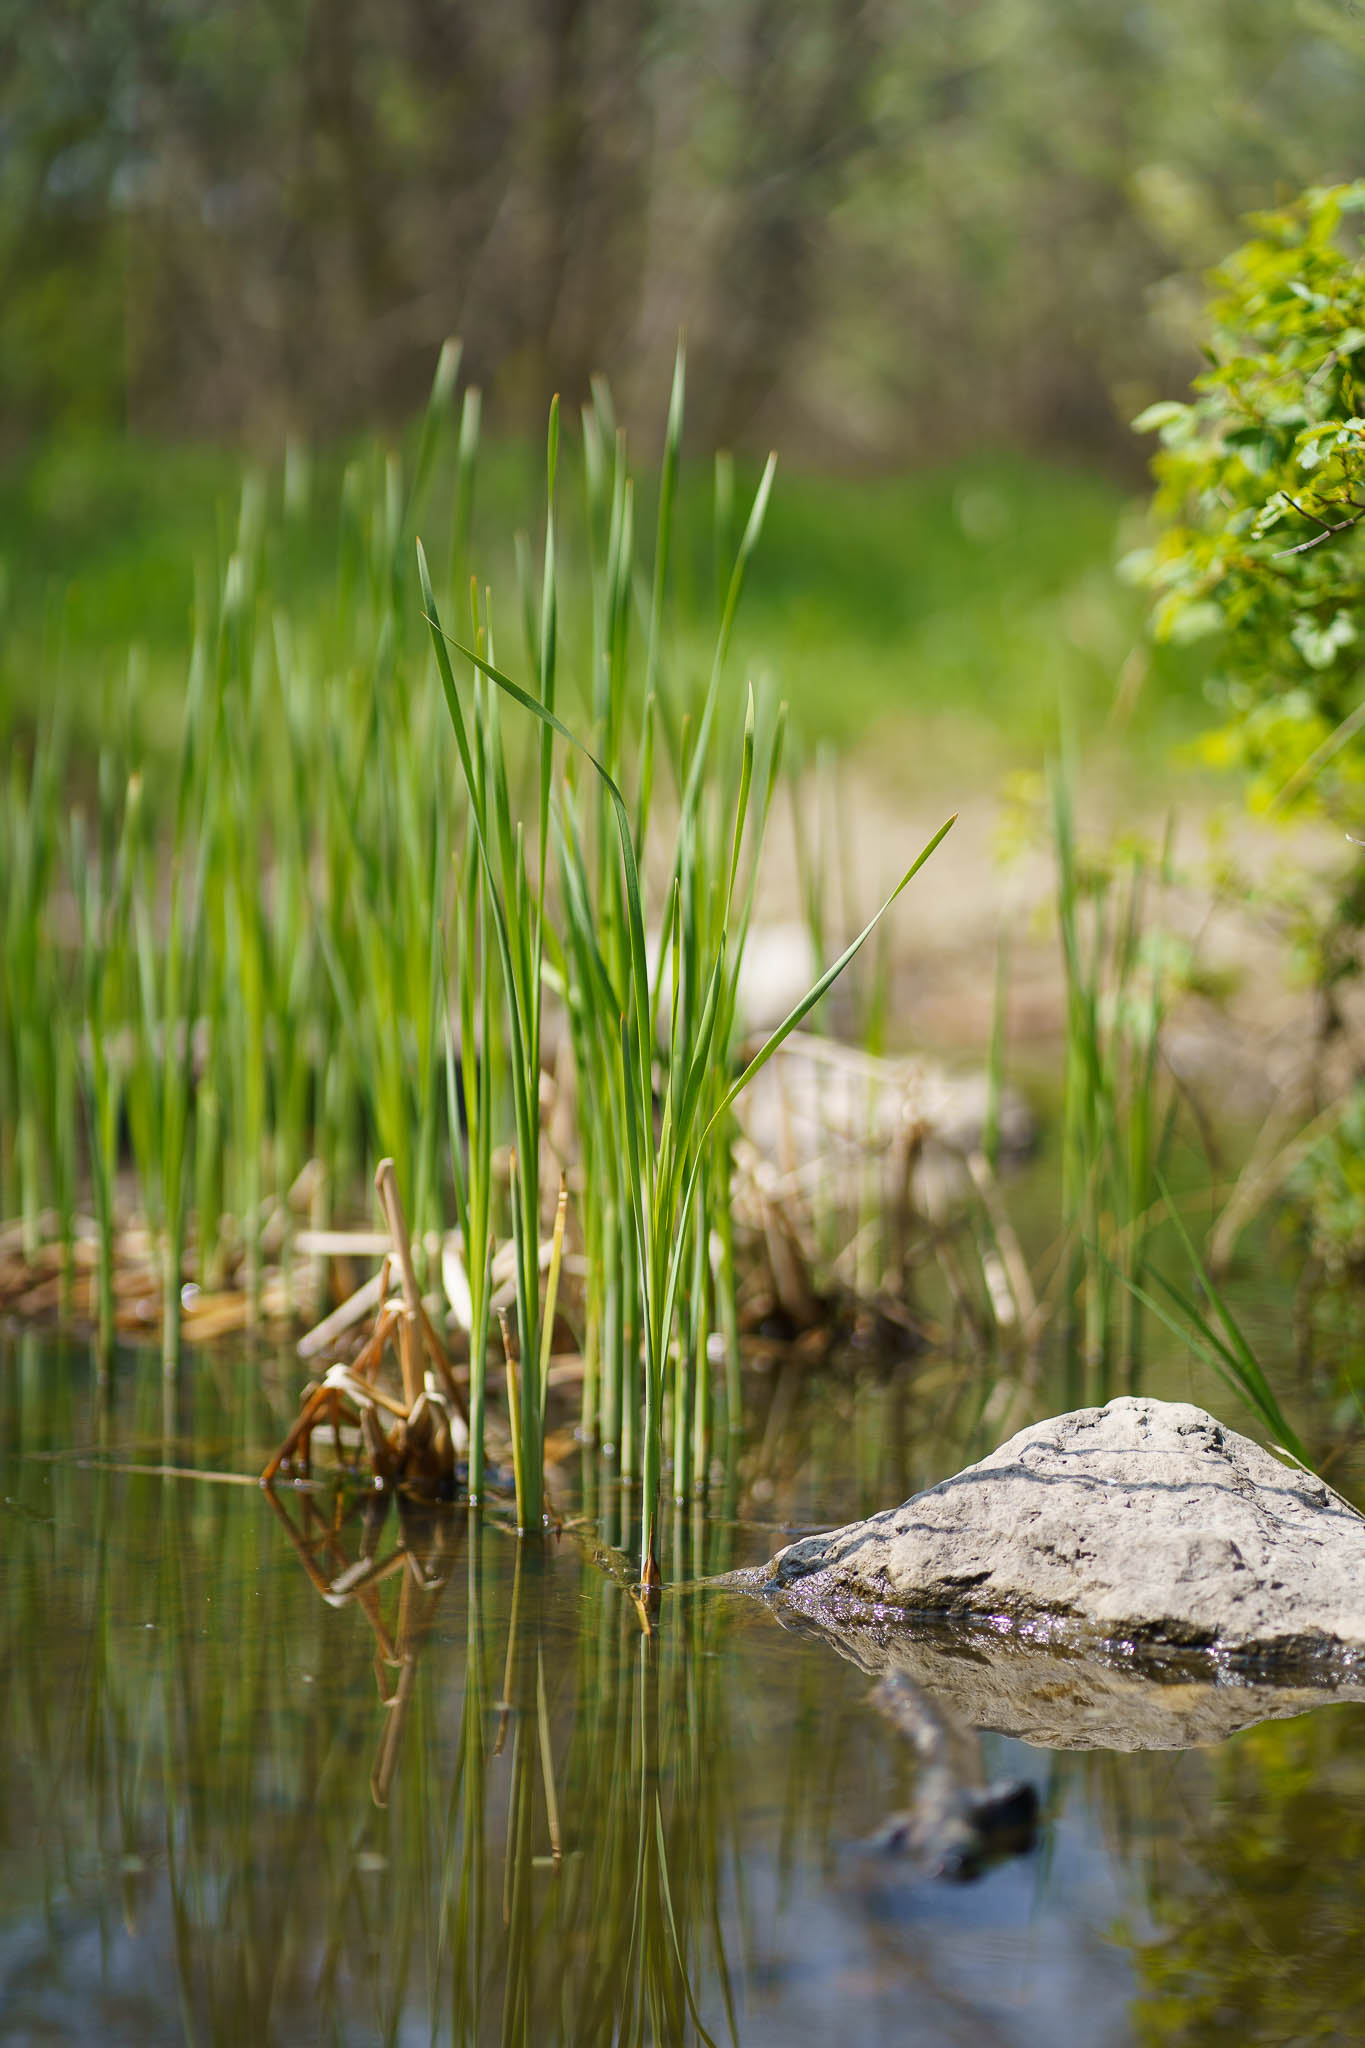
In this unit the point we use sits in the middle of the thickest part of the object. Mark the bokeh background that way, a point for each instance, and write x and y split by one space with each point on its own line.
892 231
937 254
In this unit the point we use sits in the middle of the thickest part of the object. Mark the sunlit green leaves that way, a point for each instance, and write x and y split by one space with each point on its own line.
1261 492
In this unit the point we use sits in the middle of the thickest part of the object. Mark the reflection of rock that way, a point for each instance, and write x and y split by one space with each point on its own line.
1059 1697
1146 1524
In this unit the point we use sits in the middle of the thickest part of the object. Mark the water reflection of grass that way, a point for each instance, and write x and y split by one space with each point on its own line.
521 1818
469 1785
1248 1928
587 1830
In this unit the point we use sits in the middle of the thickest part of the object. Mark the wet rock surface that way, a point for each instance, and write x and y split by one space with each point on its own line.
1139 1529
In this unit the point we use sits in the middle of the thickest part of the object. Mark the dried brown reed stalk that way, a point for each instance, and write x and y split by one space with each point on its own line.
410 1441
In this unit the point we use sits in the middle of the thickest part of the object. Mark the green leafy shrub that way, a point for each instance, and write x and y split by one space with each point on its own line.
1261 494
1261 497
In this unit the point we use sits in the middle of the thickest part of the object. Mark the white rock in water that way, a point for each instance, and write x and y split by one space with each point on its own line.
1145 1523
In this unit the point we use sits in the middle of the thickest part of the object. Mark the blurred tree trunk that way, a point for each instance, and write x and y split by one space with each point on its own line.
801 101
348 150
594 152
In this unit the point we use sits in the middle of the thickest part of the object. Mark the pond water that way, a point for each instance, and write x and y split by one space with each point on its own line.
316 1773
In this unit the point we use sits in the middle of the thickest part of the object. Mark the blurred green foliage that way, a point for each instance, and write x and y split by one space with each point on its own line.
1327 1189
979 596
1241 1950
1261 558
975 598
1261 491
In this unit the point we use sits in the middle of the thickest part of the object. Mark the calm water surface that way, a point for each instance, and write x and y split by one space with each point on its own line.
313 1775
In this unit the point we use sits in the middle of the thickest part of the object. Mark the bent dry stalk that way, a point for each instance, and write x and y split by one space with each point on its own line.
432 1420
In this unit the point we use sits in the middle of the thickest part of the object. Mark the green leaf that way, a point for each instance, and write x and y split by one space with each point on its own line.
1185 623
639 959
1320 645
1167 412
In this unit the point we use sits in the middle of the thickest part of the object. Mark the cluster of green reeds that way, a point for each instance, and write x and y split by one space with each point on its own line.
220 972
657 775
324 934
1120 1115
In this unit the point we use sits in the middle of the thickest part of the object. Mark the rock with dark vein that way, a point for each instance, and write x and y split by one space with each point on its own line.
1146 1526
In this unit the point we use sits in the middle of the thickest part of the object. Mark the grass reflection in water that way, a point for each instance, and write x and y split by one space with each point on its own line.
391 1777
521 1826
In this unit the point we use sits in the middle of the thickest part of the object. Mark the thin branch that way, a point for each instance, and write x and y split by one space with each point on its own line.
1318 538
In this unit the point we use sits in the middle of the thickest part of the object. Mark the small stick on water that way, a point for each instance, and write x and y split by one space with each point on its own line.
552 1285
513 1398
409 1358
312 1409
386 1181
